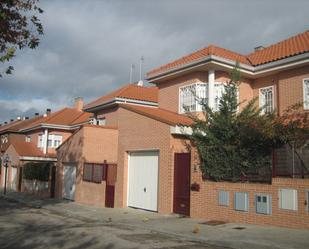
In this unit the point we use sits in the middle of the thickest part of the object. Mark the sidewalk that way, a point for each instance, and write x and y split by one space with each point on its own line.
229 235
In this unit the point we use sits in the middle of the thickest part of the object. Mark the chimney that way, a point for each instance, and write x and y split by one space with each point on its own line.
140 83
12 120
18 118
36 114
79 103
26 118
5 122
259 48
48 111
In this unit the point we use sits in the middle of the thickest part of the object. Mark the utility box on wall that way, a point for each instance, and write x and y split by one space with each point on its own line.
263 203
241 201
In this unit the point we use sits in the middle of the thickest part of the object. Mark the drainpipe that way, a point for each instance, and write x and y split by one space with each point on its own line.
211 88
45 143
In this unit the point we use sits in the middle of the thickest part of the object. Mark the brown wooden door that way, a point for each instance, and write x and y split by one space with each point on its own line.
110 185
53 182
182 183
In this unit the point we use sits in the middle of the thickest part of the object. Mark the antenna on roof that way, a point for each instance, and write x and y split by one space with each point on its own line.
141 67
131 72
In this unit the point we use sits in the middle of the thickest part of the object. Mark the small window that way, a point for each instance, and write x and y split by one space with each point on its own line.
306 93
223 198
28 139
288 199
241 201
263 204
266 99
57 141
101 121
94 172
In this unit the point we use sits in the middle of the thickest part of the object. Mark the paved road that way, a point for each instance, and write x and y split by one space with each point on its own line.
31 228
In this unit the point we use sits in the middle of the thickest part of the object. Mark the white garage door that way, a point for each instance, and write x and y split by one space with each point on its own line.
69 182
143 180
13 178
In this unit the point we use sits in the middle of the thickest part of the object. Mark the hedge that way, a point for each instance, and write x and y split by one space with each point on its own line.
36 171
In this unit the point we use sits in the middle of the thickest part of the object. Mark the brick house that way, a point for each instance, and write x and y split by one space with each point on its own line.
35 140
135 153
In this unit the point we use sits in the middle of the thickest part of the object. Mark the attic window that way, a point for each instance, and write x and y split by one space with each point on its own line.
191 97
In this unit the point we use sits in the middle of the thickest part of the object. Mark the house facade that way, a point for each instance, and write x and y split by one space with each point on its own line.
35 140
136 153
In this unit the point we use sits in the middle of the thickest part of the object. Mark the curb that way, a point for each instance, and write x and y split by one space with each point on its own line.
16 200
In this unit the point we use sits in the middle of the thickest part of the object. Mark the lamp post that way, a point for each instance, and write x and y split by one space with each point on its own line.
6 160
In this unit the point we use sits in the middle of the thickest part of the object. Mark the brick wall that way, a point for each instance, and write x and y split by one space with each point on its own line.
137 132
92 144
111 116
288 86
204 204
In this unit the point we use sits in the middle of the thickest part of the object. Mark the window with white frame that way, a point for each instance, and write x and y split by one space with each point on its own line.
28 139
191 97
219 91
306 93
54 140
266 99
40 141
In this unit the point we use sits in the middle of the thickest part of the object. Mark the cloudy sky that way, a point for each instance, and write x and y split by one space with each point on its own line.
89 45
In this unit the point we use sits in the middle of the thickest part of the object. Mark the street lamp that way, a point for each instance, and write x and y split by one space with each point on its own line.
6 160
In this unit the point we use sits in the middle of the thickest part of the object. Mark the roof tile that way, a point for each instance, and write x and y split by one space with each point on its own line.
130 91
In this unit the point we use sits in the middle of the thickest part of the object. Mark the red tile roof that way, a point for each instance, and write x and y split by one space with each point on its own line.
66 116
16 125
200 54
159 114
130 91
292 46
28 149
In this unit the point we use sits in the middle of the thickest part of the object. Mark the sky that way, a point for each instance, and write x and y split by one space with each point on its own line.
89 45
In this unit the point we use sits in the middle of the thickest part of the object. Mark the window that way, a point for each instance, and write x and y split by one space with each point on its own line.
54 140
219 90
288 199
191 96
223 198
101 121
28 139
4 139
306 93
241 201
263 203
57 140
266 98
40 141
94 172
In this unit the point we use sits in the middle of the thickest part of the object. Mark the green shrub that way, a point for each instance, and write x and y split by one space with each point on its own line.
36 171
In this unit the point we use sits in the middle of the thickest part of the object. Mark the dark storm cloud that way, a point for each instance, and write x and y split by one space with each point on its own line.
88 46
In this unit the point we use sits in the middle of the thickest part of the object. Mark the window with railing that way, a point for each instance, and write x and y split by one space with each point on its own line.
191 97
266 99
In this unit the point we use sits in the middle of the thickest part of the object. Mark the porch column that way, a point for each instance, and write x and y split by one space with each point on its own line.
45 141
211 88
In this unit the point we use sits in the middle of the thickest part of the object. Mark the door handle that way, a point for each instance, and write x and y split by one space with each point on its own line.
145 189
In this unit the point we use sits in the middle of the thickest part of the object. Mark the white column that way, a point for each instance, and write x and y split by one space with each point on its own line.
45 141
211 88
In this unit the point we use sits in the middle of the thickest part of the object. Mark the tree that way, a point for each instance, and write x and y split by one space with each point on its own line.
19 27
234 144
